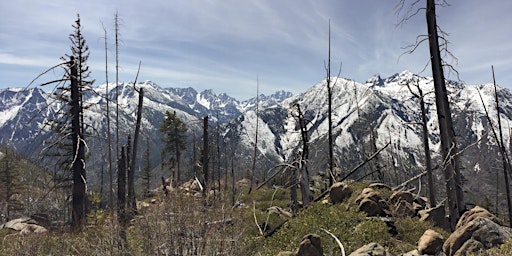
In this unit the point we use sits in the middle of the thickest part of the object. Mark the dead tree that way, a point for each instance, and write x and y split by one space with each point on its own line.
78 164
109 137
504 157
329 112
130 178
205 155
121 197
452 175
307 196
132 203
426 146
255 153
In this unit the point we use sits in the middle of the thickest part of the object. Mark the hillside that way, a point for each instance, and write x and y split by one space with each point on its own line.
366 116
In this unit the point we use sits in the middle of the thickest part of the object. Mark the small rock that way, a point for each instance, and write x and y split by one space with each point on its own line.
309 246
32 229
430 243
338 192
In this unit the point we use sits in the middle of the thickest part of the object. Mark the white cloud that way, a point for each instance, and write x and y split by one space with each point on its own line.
224 44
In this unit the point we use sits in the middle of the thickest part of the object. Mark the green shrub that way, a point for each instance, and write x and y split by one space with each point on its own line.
352 228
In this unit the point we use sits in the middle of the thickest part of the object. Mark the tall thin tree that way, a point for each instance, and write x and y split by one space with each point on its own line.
426 146
109 134
504 158
449 152
329 113
255 152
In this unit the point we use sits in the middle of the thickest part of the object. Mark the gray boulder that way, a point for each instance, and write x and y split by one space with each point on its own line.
478 234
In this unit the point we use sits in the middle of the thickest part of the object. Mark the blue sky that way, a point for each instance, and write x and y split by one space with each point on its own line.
225 44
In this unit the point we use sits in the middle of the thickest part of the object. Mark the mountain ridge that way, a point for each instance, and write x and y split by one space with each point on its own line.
366 116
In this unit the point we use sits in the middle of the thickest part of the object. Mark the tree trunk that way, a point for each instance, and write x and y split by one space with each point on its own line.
133 164
503 152
130 179
121 196
307 196
79 187
426 148
329 111
205 155
109 137
448 146
255 154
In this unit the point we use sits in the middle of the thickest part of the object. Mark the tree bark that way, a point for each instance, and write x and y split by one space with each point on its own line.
448 146
502 151
205 155
133 164
307 196
79 187
121 195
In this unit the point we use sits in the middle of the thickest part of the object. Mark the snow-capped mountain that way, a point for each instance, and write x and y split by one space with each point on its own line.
366 117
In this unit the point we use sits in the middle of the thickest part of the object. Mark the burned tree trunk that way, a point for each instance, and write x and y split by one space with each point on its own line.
131 187
78 164
448 144
205 155
121 196
307 196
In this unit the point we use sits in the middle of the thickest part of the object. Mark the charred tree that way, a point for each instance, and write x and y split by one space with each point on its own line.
426 146
205 158
132 202
121 197
450 163
504 158
307 196
255 152
78 164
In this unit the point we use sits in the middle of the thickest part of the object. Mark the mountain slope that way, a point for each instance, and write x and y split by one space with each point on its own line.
366 117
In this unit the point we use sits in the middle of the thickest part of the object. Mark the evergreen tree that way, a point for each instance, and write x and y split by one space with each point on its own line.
10 186
68 143
146 169
174 130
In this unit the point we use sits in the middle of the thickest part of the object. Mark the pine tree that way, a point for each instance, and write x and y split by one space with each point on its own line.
174 139
146 170
10 185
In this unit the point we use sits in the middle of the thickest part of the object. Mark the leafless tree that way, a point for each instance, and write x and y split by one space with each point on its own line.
437 44
426 147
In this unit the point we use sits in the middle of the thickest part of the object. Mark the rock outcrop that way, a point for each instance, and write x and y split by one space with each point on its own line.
476 231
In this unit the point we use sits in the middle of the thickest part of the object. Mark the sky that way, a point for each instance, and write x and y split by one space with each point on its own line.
229 45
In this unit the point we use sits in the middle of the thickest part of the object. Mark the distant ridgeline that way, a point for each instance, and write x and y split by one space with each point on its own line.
366 116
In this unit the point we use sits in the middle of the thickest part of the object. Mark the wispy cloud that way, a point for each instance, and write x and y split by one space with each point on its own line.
225 44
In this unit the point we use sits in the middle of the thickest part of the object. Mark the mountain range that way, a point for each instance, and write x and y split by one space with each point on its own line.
366 116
